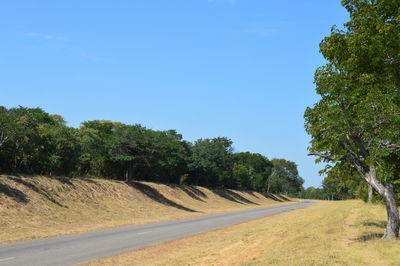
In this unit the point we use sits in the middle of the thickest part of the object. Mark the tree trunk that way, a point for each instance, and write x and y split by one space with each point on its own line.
392 226
128 174
393 220
370 193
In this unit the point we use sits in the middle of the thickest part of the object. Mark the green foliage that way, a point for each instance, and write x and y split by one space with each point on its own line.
251 171
285 178
94 138
355 125
27 146
314 193
35 142
60 155
210 159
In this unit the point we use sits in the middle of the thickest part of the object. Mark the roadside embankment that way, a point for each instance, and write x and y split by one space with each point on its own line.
39 206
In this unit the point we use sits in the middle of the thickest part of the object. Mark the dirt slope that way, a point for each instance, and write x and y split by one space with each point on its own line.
36 207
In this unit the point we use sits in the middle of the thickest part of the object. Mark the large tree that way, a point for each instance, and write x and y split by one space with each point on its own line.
357 119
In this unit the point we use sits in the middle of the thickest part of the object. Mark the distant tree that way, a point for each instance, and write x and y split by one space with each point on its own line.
61 151
210 161
315 193
285 178
24 146
4 125
94 139
343 182
127 148
251 171
168 157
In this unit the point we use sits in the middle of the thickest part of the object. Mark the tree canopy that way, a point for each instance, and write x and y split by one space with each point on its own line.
355 123
35 142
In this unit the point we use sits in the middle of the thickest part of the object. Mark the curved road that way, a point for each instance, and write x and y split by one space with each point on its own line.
73 249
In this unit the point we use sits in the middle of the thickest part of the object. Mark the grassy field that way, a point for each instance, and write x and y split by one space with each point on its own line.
328 233
37 207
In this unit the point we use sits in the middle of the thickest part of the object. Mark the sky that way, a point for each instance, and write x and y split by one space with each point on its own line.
207 68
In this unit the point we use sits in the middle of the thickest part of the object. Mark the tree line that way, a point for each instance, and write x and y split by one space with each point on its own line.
33 141
355 124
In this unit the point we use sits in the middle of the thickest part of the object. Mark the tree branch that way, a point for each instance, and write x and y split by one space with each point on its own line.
325 156
3 140
392 146
360 145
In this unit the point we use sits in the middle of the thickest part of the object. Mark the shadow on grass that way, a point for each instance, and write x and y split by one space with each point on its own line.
64 180
232 196
283 197
157 196
380 224
89 180
38 190
368 237
13 193
276 197
251 193
191 191
273 197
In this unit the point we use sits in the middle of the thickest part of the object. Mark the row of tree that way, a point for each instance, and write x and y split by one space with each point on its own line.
35 142
355 124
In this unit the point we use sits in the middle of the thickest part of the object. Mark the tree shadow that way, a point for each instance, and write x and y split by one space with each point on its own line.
273 197
157 196
283 197
40 191
90 180
232 196
368 237
380 224
191 191
64 180
13 193
251 193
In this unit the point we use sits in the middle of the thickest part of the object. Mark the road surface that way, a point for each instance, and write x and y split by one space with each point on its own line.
73 249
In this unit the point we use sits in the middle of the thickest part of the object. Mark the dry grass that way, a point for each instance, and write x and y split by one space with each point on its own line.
37 207
328 233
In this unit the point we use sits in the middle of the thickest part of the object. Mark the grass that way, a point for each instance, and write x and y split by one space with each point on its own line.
38 207
328 233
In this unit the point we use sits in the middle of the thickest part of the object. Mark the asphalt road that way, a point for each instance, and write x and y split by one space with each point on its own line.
83 247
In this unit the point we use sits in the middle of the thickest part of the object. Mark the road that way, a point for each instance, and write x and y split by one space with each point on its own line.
73 249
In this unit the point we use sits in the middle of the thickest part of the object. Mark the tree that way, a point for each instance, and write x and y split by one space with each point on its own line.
358 116
24 145
4 125
126 147
168 156
61 152
314 193
285 178
251 171
210 160
343 182
94 138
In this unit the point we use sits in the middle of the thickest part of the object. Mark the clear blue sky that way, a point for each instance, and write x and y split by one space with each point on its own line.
207 68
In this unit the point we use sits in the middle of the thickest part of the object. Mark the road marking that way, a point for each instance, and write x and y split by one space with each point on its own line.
142 233
10 258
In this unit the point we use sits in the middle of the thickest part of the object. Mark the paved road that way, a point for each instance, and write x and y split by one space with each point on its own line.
79 248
